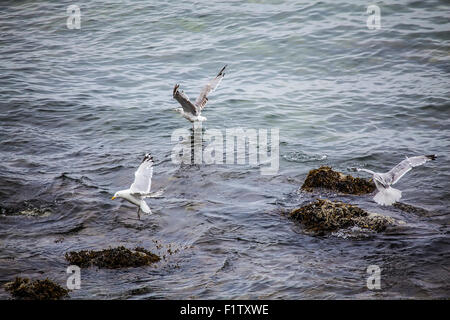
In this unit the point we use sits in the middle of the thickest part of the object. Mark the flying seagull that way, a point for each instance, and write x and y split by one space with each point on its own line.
192 111
383 181
140 189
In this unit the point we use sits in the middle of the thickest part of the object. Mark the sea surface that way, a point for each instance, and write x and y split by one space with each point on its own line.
79 108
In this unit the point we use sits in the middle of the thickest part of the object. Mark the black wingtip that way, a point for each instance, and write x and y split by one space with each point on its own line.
175 89
147 157
431 156
221 71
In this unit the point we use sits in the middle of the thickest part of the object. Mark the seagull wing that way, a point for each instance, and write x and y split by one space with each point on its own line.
211 86
405 166
143 176
183 99
365 170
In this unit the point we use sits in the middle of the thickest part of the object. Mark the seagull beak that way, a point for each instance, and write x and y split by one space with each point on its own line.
113 198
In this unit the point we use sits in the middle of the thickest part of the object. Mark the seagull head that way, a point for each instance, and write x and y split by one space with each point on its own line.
118 194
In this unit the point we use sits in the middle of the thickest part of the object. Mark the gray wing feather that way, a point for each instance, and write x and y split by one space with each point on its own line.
211 86
183 99
365 170
405 166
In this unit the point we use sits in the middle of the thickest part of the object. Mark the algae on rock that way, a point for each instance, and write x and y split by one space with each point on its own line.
324 216
23 288
30 208
114 258
325 177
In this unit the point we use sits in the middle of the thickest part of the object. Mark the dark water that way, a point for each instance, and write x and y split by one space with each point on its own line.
79 108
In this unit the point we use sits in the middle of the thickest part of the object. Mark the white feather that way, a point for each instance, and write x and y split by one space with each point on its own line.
387 197
145 208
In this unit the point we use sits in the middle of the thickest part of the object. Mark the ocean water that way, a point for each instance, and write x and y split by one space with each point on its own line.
79 108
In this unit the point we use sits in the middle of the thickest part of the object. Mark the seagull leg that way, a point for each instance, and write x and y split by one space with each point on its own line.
139 216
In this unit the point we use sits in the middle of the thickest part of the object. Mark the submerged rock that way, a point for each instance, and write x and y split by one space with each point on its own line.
411 209
31 208
23 288
114 258
327 178
324 216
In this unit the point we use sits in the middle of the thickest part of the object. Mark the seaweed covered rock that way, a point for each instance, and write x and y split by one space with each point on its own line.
327 178
31 208
114 258
411 209
324 216
23 288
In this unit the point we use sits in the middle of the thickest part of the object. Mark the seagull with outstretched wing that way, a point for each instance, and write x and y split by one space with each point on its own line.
140 189
387 195
192 111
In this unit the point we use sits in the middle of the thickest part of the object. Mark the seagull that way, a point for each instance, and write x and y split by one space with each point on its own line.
140 189
383 181
192 111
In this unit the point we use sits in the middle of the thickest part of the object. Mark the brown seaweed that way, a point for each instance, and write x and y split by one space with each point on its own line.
411 209
325 177
324 216
113 258
23 288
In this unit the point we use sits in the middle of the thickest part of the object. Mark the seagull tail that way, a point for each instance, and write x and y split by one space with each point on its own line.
387 197
145 208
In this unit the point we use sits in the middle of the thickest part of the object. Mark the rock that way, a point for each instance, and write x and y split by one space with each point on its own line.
114 258
411 209
23 288
31 208
325 216
327 178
